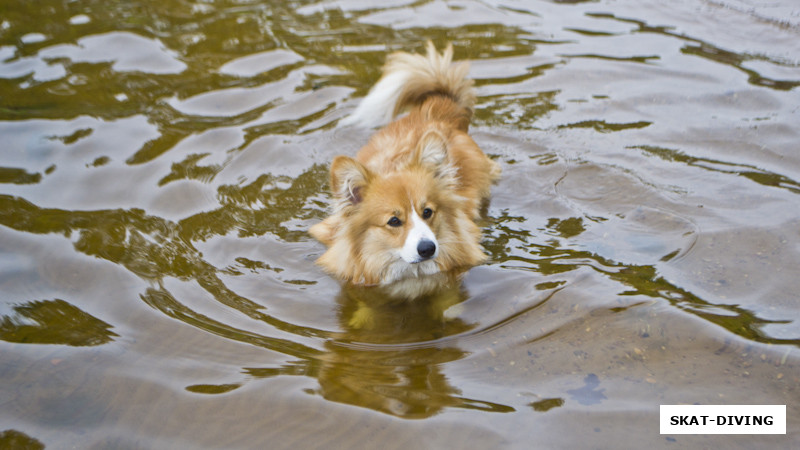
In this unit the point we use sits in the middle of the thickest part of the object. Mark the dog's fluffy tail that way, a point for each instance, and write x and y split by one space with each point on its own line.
410 79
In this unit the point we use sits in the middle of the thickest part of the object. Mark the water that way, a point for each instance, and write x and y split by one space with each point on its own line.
162 162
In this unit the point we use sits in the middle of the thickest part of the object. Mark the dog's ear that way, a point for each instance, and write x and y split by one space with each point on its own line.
431 151
348 180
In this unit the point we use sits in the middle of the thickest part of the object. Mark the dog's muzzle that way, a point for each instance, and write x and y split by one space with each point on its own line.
426 249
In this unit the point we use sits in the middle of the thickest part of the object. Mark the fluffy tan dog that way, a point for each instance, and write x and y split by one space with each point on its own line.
405 207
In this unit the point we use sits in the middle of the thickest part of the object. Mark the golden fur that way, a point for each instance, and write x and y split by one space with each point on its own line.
423 170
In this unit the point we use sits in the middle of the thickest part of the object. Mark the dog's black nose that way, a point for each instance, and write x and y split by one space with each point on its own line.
426 248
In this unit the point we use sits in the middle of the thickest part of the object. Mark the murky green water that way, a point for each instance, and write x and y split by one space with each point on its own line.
162 161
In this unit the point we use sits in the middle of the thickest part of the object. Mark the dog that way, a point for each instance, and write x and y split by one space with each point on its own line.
405 208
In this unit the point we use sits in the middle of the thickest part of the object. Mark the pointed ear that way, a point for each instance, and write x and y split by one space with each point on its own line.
431 151
348 180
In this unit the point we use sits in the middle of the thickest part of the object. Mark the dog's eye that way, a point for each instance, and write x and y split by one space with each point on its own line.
427 213
394 222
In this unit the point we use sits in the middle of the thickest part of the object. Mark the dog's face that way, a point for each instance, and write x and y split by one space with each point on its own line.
401 226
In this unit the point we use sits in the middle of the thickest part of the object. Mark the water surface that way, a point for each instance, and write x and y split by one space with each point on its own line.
162 161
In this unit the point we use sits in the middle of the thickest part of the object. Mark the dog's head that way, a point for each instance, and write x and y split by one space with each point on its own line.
407 224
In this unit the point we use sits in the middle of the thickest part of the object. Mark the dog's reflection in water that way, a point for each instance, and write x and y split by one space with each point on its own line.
391 353
373 314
